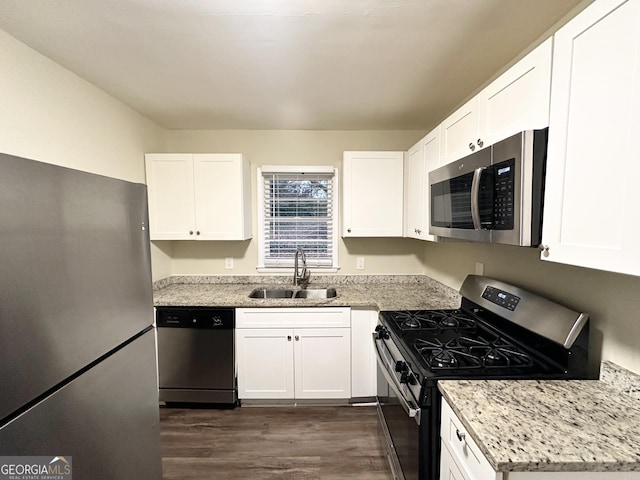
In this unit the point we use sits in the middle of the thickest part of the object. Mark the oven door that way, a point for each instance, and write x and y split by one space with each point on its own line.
399 415
461 195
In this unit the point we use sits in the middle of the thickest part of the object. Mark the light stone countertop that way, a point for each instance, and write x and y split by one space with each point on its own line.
556 425
384 292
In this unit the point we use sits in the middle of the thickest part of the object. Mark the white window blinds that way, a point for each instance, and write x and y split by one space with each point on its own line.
298 212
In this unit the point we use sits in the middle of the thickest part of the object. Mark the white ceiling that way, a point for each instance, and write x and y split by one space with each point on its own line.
284 64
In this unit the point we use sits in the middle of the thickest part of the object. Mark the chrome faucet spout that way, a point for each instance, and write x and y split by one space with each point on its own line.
300 277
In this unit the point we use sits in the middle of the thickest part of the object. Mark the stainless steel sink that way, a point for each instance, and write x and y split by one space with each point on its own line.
279 293
271 293
318 293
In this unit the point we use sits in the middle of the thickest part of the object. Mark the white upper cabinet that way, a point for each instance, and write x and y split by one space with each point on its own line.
461 133
517 100
414 181
172 213
421 158
592 211
372 194
198 196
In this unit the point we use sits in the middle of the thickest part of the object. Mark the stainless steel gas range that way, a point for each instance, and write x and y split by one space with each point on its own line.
500 331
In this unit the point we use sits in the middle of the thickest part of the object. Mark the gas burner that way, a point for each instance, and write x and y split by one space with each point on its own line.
454 319
497 352
411 323
449 355
414 320
433 320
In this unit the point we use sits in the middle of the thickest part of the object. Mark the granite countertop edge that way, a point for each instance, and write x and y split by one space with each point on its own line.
383 292
554 425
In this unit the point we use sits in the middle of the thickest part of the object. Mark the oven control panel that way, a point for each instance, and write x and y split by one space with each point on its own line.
501 298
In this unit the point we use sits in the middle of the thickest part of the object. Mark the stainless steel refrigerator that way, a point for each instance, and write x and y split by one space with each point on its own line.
77 345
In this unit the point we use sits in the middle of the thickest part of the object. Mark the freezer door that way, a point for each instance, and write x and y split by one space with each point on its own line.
76 275
106 419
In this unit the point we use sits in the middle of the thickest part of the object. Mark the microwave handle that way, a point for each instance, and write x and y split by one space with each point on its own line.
475 200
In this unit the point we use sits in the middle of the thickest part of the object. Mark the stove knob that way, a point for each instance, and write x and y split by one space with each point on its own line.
382 332
401 367
412 380
404 377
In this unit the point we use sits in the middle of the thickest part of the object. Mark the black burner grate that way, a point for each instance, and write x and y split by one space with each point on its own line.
465 352
433 320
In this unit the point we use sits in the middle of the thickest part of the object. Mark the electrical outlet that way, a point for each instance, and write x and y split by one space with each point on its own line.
359 263
479 268
228 263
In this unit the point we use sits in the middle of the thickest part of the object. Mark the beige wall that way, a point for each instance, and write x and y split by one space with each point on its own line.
52 115
612 300
284 147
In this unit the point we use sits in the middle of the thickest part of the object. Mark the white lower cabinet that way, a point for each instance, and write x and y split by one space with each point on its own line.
363 356
462 459
297 353
265 363
448 468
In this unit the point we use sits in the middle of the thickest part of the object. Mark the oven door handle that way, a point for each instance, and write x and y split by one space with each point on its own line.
409 406
475 197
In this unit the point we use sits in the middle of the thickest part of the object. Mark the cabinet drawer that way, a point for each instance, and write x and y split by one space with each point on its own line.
312 317
463 448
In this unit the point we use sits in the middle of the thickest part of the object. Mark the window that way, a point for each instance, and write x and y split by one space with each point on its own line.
297 209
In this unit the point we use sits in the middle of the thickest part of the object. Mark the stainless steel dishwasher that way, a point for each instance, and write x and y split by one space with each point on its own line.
196 359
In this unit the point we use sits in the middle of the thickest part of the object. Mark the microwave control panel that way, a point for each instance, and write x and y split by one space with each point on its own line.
503 193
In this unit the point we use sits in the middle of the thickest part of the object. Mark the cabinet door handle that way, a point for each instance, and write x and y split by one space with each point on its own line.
190 232
480 142
198 232
472 147
460 435
348 230
297 338
289 337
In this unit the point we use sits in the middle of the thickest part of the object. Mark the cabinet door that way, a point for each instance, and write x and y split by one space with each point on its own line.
373 194
222 206
464 453
364 376
421 158
461 133
519 99
448 468
591 215
322 363
431 154
265 363
414 174
171 196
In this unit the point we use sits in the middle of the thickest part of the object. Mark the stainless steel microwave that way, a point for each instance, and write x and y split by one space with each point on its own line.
494 195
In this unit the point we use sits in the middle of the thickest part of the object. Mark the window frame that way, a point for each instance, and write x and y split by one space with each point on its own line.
290 169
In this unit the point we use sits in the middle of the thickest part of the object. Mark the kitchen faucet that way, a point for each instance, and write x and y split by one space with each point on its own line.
300 277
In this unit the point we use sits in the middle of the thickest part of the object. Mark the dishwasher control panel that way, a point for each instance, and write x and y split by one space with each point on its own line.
203 318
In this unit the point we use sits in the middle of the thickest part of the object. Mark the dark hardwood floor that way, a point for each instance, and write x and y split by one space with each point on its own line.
264 443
